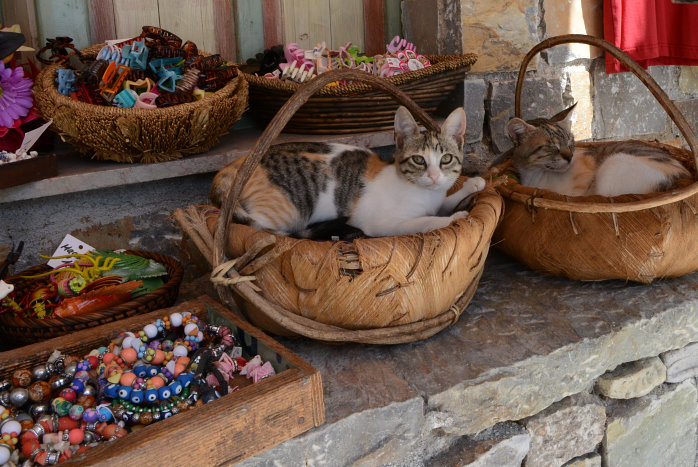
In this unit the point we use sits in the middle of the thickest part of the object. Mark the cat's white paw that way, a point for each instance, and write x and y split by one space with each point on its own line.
475 184
459 215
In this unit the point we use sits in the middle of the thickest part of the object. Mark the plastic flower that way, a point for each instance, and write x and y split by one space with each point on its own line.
15 95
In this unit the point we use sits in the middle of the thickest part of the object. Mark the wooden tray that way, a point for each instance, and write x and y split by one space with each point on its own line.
29 170
225 431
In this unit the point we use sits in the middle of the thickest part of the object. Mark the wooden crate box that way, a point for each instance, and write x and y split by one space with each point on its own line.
227 430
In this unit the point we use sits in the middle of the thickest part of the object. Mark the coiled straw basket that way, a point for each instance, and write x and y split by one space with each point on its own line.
140 135
358 107
384 290
17 331
630 237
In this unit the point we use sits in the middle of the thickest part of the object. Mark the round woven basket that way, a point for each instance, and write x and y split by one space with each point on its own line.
358 107
383 290
17 331
140 135
630 237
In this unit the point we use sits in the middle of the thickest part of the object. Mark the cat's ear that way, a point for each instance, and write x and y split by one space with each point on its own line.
518 129
564 118
405 126
454 126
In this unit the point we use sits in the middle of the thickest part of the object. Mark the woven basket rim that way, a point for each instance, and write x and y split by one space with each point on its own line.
46 83
174 279
440 63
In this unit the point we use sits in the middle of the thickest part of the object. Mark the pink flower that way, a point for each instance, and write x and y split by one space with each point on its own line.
15 95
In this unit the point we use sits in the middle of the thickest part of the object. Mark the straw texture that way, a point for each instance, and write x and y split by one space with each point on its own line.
629 237
17 331
358 107
140 135
385 290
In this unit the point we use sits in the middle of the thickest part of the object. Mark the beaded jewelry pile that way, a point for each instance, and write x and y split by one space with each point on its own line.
293 64
7 157
71 403
152 70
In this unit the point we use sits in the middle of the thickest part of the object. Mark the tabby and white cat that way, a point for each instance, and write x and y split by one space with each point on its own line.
298 184
545 157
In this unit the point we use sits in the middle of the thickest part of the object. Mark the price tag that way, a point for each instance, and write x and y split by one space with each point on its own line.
69 246
31 137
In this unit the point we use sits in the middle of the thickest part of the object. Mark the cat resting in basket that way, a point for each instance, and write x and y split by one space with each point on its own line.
335 186
545 157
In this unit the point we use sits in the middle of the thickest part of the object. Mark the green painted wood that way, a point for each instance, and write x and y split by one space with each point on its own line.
64 18
392 18
250 29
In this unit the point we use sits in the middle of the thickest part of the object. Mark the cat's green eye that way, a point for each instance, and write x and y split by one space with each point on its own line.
419 160
446 159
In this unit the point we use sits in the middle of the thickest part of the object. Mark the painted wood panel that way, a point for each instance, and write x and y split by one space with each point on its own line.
102 21
393 22
272 22
251 28
306 22
190 20
347 23
131 15
22 12
63 18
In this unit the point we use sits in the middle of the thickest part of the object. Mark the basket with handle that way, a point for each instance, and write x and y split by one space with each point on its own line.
638 237
384 290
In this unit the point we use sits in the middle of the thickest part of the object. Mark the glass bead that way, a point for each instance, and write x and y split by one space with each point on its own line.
21 378
40 391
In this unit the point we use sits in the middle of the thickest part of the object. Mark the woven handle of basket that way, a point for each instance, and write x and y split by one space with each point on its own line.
664 100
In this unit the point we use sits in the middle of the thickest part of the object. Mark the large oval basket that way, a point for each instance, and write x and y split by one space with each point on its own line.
630 237
17 331
375 290
140 135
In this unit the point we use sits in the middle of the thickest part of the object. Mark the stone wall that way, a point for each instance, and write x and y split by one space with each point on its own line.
641 413
609 107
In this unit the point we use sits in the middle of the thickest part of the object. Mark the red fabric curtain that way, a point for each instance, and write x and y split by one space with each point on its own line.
652 32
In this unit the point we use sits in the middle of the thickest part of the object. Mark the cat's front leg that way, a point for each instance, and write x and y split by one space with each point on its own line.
470 186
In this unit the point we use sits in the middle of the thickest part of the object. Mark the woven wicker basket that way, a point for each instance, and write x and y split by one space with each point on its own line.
358 107
140 135
16 331
630 237
383 290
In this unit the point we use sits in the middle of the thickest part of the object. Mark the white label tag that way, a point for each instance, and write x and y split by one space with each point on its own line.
31 137
69 246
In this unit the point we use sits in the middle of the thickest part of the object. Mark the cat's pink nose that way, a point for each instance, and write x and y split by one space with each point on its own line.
434 177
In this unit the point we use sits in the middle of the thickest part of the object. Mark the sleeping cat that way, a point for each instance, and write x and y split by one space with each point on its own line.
298 184
545 157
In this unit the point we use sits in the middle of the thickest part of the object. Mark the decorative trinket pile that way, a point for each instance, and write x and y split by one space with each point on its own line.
93 282
152 70
294 64
7 157
71 403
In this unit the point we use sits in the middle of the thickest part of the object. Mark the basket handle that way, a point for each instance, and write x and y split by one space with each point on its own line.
659 94
294 322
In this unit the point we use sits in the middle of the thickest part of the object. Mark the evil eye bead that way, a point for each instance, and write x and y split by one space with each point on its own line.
140 370
185 379
175 388
111 391
136 396
151 395
164 393
152 371
124 392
